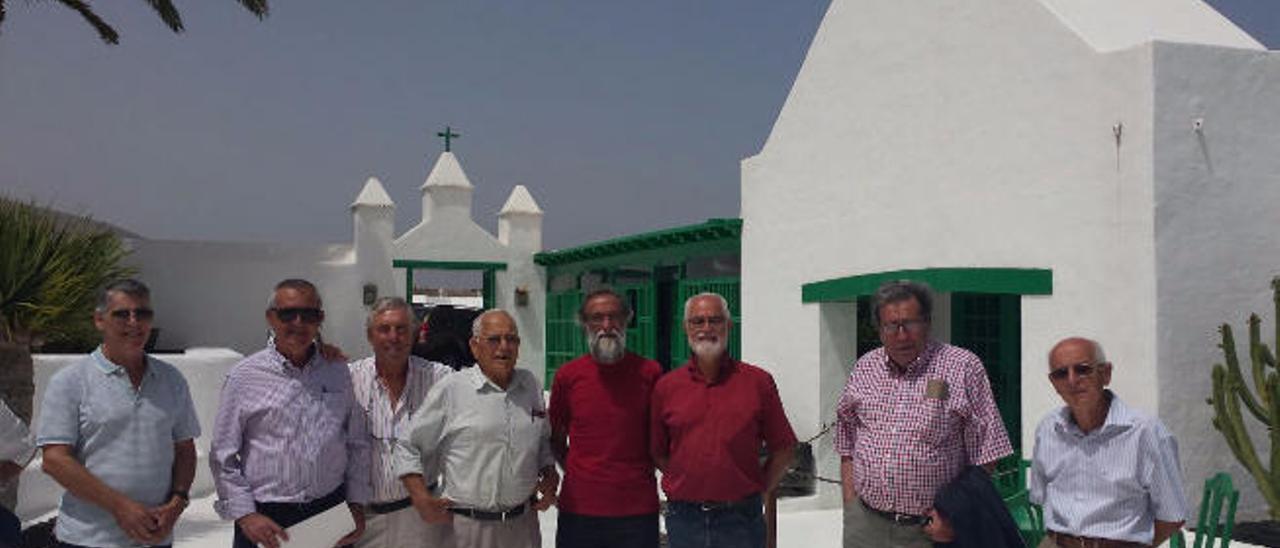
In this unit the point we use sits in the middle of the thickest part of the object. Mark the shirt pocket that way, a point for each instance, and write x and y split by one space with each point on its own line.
933 421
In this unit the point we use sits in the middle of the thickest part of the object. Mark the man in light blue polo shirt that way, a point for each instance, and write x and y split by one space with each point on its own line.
1107 475
118 430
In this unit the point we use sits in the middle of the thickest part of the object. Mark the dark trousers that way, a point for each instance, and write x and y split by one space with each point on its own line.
579 531
286 514
65 545
735 525
10 529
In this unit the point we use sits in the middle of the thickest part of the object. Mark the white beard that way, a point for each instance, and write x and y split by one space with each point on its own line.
607 349
708 349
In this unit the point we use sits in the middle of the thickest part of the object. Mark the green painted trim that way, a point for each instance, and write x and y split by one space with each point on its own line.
661 247
1015 281
447 265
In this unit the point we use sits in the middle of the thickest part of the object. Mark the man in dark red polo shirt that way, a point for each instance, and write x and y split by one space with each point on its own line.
708 421
599 433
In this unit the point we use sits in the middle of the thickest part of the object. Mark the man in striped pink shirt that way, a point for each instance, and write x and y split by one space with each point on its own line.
912 415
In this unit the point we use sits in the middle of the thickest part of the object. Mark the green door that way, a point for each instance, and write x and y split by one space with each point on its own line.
989 325
640 332
564 338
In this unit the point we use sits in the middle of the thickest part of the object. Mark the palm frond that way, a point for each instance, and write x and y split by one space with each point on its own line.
105 32
168 13
257 7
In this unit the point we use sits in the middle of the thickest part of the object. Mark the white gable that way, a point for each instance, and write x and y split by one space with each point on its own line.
1109 25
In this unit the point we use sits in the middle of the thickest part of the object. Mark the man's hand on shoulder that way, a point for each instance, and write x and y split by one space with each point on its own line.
261 530
137 522
333 353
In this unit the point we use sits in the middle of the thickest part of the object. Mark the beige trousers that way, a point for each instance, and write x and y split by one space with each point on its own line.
863 529
403 529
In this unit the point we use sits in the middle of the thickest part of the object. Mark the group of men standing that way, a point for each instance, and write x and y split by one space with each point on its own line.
420 455
424 456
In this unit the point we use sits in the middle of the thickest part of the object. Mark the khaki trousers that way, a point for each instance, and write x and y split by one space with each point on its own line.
520 532
404 529
863 529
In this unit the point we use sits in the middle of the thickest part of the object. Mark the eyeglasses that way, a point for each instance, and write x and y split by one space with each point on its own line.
496 340
1082 369
599 319
911 326
699 321
289 315
139 314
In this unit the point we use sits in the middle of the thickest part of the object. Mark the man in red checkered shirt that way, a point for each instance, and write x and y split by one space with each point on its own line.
914 412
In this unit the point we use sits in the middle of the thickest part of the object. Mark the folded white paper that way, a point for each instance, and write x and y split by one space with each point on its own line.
322 530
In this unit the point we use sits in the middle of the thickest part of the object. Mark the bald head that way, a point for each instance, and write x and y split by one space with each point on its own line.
1075 345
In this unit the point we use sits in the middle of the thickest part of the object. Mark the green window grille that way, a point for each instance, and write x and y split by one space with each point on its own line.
641 331
989 325
564 338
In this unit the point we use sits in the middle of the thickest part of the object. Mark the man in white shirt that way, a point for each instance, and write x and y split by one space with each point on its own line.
389 387
1107 475
487 428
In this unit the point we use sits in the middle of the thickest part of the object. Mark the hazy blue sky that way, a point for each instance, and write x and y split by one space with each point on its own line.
619 116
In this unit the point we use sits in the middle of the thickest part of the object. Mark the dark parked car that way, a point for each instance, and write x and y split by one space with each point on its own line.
444 336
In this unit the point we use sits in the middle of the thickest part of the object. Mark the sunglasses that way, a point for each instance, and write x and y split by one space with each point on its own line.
1083 369
289 315
139 314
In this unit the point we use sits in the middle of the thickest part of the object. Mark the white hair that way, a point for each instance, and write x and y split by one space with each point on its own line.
724 305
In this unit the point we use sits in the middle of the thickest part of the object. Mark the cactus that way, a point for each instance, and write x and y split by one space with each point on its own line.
1230 388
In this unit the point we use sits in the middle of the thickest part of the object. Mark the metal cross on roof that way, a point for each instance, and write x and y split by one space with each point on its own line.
448 135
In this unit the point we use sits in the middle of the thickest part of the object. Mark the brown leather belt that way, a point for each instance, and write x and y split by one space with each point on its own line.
1071 541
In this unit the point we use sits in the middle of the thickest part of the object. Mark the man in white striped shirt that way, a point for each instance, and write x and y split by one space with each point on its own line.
1108 476
389 388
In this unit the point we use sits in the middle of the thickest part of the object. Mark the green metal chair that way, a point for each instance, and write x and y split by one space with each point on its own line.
1212 525
1027 516
1010 480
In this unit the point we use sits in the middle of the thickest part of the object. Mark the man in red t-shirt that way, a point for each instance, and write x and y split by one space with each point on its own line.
709 420
599 433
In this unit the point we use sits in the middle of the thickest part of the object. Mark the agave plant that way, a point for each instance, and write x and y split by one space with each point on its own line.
50 269
164 8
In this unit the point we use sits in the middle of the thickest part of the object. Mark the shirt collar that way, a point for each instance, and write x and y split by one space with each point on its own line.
479 380
1119 418
108 367
727 367
283 363
922 361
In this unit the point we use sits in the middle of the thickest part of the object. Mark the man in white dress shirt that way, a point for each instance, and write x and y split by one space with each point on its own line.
389 387
487 428
1107 475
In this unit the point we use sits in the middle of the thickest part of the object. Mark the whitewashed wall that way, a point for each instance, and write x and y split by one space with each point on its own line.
1217 238
977 136
204 369
215 293
451 235
984 134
